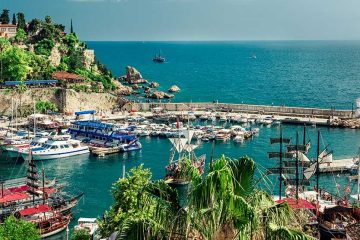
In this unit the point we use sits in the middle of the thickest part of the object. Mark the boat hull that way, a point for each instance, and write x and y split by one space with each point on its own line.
326 233
48 156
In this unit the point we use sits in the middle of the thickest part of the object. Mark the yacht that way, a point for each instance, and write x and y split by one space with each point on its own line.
56 148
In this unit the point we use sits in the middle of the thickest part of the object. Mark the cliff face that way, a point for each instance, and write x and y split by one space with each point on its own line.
66 100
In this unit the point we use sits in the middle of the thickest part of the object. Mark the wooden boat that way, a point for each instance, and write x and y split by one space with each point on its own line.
47 221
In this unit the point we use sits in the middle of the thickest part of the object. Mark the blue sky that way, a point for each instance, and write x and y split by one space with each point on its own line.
144 20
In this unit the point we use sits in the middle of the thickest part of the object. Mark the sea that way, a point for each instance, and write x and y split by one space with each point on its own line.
295 73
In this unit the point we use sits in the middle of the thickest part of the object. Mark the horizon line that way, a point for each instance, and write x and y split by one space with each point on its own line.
229 40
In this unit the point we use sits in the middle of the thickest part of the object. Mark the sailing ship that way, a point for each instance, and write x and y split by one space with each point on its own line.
36 201
176 170
158 58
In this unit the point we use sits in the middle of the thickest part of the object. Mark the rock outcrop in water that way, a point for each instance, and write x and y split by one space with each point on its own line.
121 89
174 88
159 95
154 84
133 76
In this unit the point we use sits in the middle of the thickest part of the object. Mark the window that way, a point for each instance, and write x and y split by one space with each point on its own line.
66 146
53 147
3 29
11 29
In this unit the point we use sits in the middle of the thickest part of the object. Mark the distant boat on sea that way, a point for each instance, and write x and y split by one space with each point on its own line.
158 58
253 56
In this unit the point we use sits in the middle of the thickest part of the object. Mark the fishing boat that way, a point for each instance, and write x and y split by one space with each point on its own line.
56 148
158 58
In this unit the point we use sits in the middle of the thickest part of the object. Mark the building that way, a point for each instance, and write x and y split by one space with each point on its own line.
7 30
66 77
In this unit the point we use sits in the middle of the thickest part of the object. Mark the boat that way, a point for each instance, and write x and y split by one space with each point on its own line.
239 138
182 147
48 222
89 225
158 58
56 148
101 134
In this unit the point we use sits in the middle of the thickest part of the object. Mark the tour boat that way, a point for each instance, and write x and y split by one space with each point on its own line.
56 148
105 134
48 222
158 58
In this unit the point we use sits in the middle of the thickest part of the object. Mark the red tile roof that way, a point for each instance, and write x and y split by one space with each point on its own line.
67 76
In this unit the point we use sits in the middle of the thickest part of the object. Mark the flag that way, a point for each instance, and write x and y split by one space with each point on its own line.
177 123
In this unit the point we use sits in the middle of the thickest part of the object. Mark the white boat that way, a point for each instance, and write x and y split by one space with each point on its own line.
239 138
56 148
89 225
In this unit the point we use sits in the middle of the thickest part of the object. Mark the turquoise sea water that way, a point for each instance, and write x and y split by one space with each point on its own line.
297 73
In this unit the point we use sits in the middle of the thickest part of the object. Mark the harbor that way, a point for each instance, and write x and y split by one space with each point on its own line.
199 139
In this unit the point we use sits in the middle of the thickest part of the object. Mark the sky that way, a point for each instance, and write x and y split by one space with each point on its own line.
171 20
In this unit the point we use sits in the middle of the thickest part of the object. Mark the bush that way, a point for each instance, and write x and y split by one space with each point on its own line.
13 229
80 235
45 106
44 47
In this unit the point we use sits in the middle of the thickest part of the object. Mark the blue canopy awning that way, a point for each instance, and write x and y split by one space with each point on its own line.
85 112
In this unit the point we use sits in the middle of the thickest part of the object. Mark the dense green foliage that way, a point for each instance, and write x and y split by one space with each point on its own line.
80 235
20 62
4 17
14 22
13 229
21 21
44 47
224 204
15 63
45 106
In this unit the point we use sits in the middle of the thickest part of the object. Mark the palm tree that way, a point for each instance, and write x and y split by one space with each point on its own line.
225 204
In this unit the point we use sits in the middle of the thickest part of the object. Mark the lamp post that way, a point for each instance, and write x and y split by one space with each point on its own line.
67 233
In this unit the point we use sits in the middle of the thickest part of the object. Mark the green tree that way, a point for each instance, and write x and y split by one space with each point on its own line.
44 47
45 106
14 229
34 26
15 63
20 36
80 235
20 90
21 21
48 20
14 19
4 17
224 204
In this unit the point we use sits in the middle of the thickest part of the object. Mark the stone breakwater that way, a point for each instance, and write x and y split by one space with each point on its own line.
291 115
248 108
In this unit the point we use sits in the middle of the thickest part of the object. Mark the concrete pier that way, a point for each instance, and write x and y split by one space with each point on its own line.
248 108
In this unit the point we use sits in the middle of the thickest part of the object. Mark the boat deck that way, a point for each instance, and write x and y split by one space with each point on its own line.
341 165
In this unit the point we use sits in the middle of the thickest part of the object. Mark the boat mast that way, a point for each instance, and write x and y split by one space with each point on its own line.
304 139
358 188
317 165
34 120
297 165
280 168
43 180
